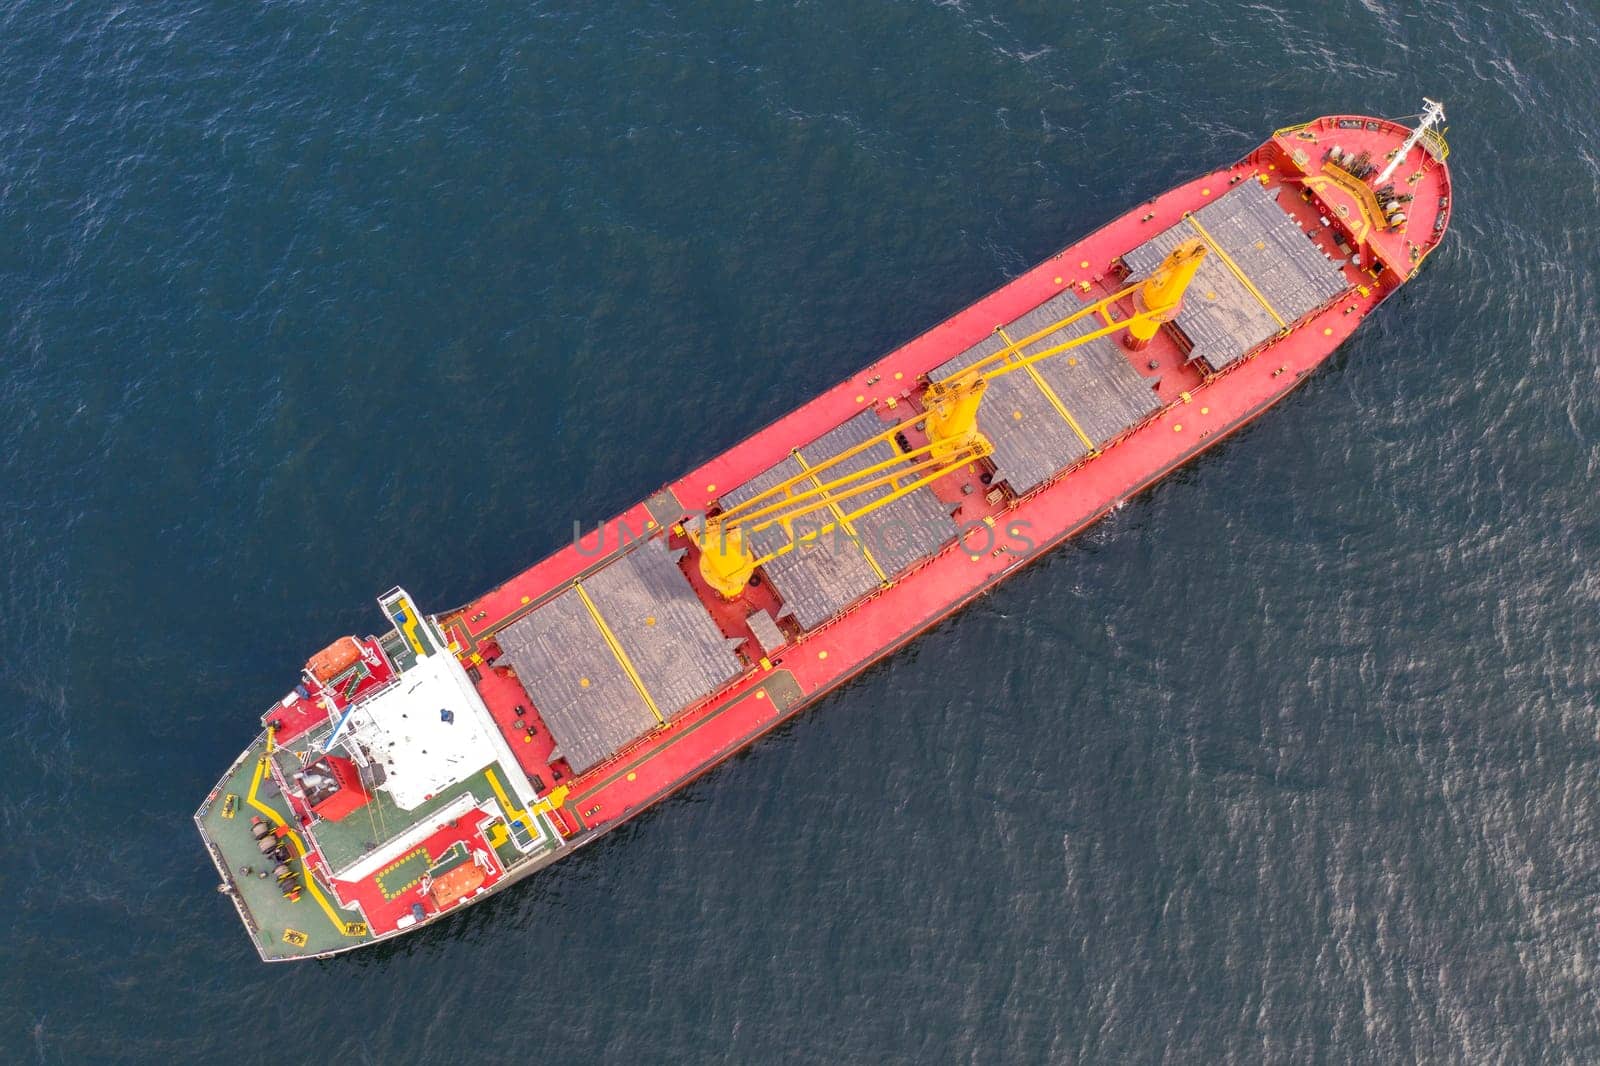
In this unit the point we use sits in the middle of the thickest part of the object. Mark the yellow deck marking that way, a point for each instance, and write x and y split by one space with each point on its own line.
294 938
409 630
556 799
1050 394
500 794
401 861
1227 261
616 649
299 847
838 515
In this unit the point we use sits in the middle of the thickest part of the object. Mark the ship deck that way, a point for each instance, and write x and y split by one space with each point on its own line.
1280 296
614 675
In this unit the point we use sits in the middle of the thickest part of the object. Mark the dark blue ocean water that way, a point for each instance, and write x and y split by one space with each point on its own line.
1294 759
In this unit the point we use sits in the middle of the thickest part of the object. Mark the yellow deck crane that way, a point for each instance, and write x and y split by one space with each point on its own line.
949 418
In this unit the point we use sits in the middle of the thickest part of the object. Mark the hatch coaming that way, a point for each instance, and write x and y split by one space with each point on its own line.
1264 275
622 651
827 562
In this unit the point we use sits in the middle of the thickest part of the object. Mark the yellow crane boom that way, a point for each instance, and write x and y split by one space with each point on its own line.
950 419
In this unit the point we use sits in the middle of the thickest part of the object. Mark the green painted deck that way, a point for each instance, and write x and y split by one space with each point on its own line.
398 651
508 854
403 873
454 856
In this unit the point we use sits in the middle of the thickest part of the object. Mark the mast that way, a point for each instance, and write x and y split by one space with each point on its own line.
1432 115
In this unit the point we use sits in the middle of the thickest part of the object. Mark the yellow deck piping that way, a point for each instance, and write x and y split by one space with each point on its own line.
1231 265
511 809
616 649
1050 394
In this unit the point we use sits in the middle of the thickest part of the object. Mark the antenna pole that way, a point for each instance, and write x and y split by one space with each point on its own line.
1432 115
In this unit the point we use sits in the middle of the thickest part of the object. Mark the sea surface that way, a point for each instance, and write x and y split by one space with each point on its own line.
1293 759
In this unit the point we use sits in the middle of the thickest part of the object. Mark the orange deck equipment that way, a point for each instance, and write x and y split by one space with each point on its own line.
463 881
334 660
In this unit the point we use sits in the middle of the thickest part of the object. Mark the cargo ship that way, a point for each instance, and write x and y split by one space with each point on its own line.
409 774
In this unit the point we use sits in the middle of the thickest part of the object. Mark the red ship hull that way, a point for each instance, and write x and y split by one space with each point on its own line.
1197 410
1201 413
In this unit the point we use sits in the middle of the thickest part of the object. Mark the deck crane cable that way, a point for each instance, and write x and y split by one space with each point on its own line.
948 418
366 773
374 817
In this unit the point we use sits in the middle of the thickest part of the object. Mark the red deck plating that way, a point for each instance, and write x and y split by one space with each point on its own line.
1198 412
